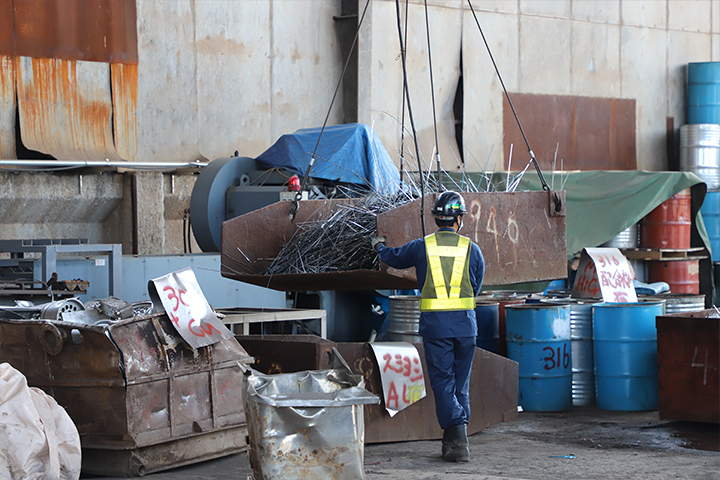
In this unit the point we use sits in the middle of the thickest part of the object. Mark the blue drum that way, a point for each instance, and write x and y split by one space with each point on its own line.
538 338
488 324
625 350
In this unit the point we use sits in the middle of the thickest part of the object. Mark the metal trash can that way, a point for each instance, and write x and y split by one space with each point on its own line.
307 424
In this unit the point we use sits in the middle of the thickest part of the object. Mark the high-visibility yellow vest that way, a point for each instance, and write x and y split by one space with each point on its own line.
447 281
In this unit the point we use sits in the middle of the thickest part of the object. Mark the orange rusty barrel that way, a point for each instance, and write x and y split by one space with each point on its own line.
668 226
681 275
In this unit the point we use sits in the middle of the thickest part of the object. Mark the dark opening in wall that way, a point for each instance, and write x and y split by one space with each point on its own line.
458 113
21 151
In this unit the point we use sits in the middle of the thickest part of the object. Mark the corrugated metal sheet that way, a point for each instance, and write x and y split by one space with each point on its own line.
124 101
7 103
91 30
66 108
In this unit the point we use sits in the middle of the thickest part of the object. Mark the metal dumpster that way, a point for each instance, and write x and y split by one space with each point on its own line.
521 234
141 398
307 424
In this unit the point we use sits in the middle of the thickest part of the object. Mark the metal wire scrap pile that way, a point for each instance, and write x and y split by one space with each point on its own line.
339 243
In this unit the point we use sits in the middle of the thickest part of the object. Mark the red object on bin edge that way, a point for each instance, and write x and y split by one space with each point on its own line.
294 184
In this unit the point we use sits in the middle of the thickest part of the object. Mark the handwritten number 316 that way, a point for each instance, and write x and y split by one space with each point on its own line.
553 361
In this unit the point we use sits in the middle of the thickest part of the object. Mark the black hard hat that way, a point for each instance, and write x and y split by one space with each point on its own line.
448 205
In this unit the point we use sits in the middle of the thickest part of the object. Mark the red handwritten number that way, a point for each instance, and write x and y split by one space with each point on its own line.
552 362
174 296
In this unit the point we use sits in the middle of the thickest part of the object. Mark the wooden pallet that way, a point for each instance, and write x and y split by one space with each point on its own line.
665 254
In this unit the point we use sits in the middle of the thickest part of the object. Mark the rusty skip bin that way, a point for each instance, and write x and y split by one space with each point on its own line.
141 398
521 234
307 425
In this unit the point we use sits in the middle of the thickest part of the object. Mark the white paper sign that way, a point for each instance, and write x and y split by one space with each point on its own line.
401 372
604 272
187 308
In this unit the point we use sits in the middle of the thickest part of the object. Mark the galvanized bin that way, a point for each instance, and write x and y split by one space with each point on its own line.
404 319
308 424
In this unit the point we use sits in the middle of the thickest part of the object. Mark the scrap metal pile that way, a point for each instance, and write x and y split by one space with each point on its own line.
339 243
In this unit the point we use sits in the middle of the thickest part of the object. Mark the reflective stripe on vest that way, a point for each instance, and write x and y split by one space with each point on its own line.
443 299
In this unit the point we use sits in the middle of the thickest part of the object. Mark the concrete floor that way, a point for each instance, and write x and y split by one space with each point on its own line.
585 443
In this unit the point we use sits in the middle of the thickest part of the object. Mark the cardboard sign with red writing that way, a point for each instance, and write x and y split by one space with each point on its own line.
180 295
401 372
604 273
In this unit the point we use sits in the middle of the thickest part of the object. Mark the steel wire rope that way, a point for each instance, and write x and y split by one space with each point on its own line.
412 119
432 95
402 116
298 196
532 155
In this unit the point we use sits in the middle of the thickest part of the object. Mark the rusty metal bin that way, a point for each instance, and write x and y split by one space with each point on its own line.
142 399
308 424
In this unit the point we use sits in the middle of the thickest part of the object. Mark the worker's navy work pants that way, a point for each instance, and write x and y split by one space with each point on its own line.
449 361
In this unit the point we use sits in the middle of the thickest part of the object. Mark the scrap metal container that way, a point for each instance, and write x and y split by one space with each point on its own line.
688 347
525 229
307 425
142 399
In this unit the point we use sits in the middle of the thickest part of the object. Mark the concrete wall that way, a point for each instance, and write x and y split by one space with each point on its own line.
629 49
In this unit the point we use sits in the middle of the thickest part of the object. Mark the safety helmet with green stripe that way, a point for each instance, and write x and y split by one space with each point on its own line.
448 206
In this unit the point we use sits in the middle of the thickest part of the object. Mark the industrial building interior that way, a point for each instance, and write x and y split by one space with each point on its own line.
189 191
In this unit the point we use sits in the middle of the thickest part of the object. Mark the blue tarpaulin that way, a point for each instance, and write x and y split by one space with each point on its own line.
349 153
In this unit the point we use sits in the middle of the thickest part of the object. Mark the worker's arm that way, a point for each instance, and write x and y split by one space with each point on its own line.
401 257
477 268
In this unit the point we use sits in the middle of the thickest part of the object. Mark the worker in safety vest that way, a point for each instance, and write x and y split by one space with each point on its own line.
450 270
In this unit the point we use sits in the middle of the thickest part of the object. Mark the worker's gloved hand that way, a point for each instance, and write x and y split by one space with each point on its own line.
375 241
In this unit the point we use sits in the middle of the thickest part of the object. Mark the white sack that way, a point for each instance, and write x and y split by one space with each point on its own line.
38 440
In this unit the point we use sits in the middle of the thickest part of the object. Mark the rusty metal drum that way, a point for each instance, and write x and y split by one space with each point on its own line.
683 276
668 225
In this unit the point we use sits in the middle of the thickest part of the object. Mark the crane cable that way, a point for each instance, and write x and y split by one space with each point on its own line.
532 155
412 120
432 93
298 195
402 118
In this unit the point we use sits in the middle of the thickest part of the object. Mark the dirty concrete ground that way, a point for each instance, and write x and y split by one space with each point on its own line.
585 443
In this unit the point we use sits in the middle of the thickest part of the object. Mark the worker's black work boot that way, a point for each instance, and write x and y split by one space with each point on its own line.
455 446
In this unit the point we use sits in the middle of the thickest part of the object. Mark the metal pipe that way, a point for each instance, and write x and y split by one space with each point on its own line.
102 164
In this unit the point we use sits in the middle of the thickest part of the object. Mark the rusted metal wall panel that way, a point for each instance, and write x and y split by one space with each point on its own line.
7 105
6 28
124 80
592 133
90 30
66 108
520 239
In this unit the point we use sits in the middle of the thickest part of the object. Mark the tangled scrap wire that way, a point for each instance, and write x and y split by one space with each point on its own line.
339 243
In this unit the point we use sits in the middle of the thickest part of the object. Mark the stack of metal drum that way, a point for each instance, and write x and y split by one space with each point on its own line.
700 144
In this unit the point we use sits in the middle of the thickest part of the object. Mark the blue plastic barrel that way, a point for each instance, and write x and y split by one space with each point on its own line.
488 323
703 87
538 338
710 211
625 351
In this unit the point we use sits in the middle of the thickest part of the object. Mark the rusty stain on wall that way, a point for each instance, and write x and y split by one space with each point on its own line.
65 108
90 30
124 101
7 106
